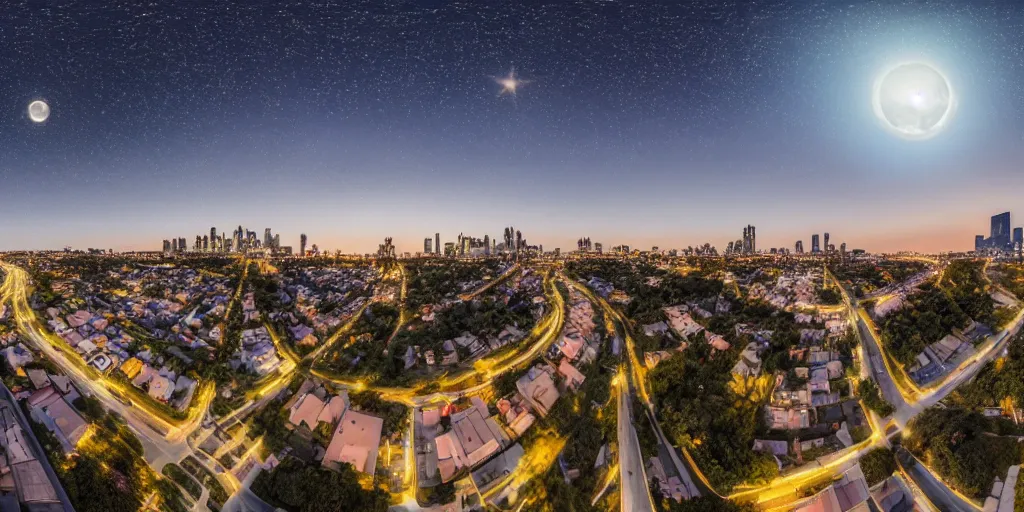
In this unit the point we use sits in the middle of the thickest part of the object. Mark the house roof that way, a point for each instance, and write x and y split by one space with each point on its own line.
67 420
572 375
333 410
307 410
355 441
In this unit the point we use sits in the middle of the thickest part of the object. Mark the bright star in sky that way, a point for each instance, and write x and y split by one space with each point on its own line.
509 83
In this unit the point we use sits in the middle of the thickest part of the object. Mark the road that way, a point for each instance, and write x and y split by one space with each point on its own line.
545 333
967 371
476 293
910 403
876 363
638 385
635 495
152 431
937 492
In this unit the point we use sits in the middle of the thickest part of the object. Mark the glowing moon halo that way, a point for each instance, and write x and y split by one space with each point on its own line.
38 111
913 100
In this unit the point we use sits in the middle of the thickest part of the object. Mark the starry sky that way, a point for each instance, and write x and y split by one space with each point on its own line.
644 123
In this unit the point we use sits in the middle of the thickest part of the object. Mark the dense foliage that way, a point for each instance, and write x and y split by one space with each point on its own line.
870 275
877 465
998 381
687 388
869 393
294 486
108 473
954 444
928 316
967 286
701 504
395 415
430 281
959 296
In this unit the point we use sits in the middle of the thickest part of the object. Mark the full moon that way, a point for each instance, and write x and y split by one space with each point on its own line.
38 111
913 100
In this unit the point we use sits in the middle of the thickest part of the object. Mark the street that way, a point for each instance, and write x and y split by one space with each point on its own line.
635 495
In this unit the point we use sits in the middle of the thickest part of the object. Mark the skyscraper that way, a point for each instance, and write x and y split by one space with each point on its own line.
437 243
268 240
427 248
799 247
487 245
302 245
1000 235
213 239
1018 238
815 248
749 243
826 242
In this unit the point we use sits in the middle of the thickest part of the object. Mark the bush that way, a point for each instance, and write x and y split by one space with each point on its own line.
872 398
295 486
877 465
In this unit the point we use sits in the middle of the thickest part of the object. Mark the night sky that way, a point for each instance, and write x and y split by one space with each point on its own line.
640 123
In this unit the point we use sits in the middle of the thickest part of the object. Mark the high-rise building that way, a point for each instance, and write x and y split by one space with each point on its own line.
206 243
826 246
213 239
598 247
1000 234
268 240
449 249
842 252
1018 237
167 246
302 245
815 248
799 247
427 246
979 242
749 243
437 243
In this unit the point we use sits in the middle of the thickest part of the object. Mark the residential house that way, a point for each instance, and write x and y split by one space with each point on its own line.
356 441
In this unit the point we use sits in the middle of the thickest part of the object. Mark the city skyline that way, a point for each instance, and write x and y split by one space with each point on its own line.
726 124
932 240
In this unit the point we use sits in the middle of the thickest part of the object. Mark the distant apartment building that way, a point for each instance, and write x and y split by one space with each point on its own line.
428 245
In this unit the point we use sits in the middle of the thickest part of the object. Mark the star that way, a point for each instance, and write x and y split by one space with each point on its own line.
509 83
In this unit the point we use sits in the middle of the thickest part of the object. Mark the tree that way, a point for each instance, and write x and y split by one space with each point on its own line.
296 487
868 392
877 465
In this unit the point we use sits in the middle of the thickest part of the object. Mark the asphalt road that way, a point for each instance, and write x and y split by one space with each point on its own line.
635 495
158 449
